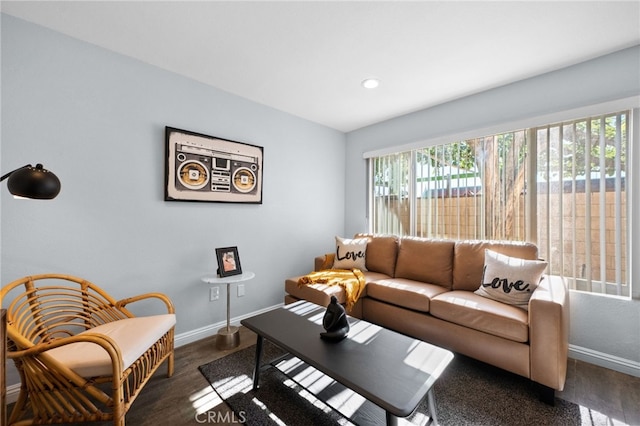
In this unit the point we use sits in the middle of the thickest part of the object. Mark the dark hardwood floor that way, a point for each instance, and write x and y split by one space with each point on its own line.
175 401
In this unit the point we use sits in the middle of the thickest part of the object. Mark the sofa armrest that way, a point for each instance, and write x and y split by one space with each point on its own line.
549 332
319 262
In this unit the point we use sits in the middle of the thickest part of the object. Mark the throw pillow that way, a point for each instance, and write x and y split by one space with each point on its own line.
509 279
350 253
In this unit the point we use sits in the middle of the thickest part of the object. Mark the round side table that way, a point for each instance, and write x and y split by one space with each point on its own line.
229 336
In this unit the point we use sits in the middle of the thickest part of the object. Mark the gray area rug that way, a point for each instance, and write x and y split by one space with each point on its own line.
468 393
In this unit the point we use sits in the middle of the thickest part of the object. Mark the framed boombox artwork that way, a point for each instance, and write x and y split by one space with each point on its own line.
206 168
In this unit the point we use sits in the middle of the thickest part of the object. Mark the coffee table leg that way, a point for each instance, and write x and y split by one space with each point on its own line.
391 419
431 401
256 369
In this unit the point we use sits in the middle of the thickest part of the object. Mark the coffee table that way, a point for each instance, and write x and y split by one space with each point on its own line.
392 370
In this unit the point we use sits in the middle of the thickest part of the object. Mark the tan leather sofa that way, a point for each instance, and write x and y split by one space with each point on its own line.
425 288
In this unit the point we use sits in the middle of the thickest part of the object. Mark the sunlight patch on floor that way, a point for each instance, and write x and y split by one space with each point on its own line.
307 395
420 419
590 417
233 385
205 399
314 382
347 402
309 377
272 416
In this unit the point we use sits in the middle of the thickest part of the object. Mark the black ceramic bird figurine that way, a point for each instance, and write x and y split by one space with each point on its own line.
335 322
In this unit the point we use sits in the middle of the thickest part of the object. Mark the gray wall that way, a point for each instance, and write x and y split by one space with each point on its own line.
97 120
604 331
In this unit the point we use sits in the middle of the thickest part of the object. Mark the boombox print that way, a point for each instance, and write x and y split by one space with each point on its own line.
205 168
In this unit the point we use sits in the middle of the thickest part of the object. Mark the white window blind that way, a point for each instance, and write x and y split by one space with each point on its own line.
471 189
581 191
568 197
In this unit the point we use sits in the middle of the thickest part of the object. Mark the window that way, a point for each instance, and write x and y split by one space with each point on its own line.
569 198
471 189
582 202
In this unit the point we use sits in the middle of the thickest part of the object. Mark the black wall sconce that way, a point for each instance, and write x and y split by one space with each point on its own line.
32 182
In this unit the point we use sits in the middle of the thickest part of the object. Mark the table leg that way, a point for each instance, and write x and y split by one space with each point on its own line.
256 368
228 307
391 419
431 402
228 336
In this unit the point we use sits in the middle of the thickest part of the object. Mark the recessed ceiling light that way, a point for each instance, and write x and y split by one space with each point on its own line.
370 83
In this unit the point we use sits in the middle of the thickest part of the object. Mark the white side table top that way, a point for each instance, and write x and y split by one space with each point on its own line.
215 279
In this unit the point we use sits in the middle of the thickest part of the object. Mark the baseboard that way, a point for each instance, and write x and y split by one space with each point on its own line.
179 340
12 394
602 359
211 330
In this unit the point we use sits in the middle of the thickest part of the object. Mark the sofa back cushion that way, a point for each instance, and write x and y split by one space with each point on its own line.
468 259
382 251
426 260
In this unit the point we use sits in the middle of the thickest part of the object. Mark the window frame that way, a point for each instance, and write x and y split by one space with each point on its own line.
633 161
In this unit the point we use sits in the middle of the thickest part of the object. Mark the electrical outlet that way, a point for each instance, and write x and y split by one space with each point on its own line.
214 293
240 290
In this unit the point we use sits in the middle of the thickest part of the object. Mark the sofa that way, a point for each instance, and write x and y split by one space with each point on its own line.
430 289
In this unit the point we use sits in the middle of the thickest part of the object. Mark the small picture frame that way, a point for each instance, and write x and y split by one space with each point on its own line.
228 261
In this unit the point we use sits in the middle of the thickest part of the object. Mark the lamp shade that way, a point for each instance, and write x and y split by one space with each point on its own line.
34 182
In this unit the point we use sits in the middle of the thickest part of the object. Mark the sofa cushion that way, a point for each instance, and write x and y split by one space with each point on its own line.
468 259
382 251
426 260
467 309
133 336
351 253
405 293
509 279
320 294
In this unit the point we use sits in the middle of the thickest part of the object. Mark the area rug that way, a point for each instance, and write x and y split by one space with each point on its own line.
468 393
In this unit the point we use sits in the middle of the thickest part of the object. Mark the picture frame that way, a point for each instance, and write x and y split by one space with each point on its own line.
228 261
206 168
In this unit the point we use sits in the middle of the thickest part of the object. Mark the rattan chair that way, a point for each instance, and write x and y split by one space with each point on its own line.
80 354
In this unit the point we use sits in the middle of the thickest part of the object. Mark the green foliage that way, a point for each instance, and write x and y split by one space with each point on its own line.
576 147
573 149
459 154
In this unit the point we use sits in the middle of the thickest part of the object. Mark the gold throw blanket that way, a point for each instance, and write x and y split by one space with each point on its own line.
351 280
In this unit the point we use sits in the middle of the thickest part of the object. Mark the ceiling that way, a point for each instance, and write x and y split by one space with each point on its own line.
309 58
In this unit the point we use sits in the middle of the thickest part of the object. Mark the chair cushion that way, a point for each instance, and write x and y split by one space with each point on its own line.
132 335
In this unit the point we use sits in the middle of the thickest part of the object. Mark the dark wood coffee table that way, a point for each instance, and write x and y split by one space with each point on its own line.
391 370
